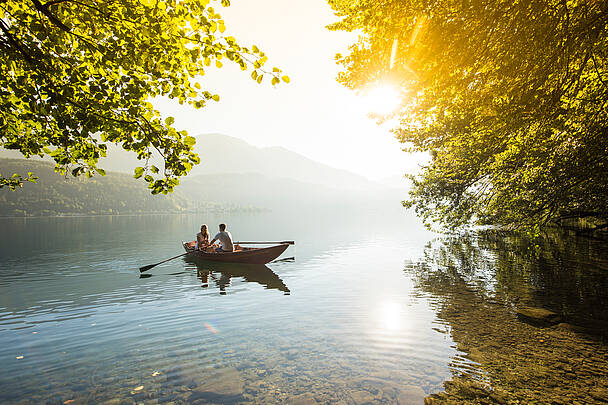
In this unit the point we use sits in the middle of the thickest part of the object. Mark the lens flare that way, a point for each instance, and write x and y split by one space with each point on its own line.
210 327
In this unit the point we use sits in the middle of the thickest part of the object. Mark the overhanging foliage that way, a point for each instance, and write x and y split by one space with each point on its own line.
508 97
75 75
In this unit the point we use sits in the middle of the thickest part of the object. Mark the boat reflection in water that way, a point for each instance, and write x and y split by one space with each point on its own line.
221 274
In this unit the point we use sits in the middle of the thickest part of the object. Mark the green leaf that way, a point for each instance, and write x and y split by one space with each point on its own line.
139 171
189 140
286 79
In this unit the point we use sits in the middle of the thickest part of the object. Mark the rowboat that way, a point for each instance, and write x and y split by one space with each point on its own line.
240 255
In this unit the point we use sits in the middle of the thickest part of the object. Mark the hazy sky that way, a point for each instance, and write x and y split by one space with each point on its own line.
313 115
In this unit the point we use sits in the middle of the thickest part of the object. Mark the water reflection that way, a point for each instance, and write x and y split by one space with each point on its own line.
77 325
479 282
390 316
561 272
221 275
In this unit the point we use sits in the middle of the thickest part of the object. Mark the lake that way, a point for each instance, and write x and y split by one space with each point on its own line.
372 309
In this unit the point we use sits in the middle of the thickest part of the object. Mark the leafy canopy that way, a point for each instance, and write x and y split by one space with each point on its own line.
78 74
508 97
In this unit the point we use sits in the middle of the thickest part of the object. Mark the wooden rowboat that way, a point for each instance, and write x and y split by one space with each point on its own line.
241 255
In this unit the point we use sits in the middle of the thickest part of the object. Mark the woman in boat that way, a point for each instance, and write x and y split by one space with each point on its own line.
202 238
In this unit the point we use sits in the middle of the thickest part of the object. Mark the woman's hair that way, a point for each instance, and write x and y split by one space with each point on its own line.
204 230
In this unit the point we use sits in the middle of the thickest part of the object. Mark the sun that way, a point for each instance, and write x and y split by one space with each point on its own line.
382 99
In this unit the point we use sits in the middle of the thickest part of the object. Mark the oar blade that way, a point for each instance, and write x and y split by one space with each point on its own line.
146 268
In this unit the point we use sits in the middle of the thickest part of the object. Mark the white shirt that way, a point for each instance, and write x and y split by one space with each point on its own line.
225 240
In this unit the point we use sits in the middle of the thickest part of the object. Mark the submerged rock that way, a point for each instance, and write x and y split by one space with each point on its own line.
538 316
362 397
410 395
462 390
573 328
223 386
303 399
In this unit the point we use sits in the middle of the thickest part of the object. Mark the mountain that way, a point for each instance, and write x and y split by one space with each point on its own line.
274 193
225 154
222 154
232 175
397 182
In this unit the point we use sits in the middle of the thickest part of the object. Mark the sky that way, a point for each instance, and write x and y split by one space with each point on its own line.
313 115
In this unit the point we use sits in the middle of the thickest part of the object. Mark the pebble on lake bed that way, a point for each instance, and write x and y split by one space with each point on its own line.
19 357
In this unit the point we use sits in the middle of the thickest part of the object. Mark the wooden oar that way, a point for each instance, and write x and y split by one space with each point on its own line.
148 267
285 242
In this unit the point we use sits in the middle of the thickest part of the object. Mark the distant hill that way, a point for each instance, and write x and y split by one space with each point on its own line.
232 175
115 193
221 154
271 192
225 154
397 182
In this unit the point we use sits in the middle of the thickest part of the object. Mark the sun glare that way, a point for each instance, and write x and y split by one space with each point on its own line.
390 316
383 99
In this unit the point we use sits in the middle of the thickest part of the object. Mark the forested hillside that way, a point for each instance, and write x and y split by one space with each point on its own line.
115 193
120 193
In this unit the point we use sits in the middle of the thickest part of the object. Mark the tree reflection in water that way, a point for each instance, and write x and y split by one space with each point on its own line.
478 281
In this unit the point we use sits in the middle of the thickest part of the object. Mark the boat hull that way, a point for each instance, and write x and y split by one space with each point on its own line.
246 255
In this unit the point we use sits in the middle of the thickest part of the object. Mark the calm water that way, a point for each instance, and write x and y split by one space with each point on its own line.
374 309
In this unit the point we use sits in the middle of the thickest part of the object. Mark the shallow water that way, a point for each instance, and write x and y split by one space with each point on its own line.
366 313
483 287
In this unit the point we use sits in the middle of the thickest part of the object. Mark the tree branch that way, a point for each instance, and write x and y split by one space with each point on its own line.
44 9
16 43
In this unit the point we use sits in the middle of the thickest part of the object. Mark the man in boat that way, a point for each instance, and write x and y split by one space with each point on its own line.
225 239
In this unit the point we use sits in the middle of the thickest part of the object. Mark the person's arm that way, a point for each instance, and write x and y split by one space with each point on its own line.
214 239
